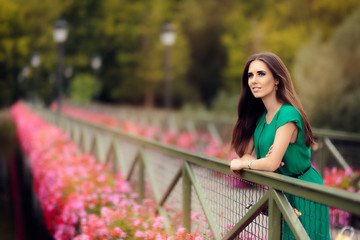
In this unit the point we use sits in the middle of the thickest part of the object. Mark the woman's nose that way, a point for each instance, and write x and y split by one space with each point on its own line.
252 79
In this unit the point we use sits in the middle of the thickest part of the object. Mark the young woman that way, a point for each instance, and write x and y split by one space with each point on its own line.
272 122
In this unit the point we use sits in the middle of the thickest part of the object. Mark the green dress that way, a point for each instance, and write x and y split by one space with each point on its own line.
297 159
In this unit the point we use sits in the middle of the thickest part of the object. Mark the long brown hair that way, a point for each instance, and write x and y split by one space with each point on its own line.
250 108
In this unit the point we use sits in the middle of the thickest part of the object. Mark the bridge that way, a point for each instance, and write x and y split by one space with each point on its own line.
194 190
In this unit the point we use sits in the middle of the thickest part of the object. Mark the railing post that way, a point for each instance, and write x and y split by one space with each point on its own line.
190 126
214 132
322 156
186 199
141 179
173 124
340 159
275 221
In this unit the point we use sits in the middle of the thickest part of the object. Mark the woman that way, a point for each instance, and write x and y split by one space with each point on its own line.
272 122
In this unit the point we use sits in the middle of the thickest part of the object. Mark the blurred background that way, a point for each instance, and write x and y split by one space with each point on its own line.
115 52
185 55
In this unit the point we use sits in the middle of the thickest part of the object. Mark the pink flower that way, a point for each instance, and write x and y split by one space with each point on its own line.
137 222
117 232
82 237
180 232
209 233
348 172
338 180
145 225
229 226
139 234
158 223
195 216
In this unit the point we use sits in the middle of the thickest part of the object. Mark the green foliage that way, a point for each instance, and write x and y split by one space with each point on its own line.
327 79
83 88
213 41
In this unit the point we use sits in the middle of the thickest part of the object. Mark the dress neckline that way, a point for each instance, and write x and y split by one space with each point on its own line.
274 115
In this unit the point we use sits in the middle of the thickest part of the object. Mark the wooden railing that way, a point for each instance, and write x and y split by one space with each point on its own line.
194 183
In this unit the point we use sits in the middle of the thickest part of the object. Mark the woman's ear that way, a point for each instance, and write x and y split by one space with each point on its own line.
277 81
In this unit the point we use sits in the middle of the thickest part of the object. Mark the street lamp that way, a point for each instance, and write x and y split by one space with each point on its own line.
60 35
35 62
168 38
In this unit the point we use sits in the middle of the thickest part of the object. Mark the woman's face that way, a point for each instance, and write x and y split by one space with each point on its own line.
261 80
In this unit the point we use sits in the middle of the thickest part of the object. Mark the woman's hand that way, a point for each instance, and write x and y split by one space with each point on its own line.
240 163
270 151
236 164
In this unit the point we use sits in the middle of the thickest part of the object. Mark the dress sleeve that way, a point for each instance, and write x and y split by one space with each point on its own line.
289 114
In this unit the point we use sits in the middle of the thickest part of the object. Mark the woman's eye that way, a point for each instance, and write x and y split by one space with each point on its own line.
250 75
261 74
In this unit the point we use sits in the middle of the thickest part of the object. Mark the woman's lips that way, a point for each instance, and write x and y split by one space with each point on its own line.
256 89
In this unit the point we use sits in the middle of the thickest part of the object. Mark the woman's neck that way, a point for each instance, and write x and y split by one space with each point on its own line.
272 105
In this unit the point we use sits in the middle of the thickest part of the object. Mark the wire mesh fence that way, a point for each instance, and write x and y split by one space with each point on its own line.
229 199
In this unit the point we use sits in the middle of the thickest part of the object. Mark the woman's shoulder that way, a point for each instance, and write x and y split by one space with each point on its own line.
288 113
289 110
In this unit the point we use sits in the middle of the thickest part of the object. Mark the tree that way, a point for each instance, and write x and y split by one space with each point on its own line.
214 39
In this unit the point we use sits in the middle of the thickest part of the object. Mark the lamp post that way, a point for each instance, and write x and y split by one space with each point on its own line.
168 38
35 62
60 35
68 72
24 73
96 64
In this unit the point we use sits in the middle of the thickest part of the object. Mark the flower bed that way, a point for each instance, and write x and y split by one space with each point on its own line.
342 179
82 199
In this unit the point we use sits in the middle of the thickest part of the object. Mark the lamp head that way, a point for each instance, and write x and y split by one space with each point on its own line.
60 31
35 60
96 62
168 34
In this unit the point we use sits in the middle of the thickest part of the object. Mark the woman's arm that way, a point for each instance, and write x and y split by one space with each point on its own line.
284 135
249 154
